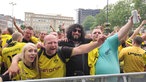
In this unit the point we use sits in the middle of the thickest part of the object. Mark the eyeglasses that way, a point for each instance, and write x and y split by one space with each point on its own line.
75 30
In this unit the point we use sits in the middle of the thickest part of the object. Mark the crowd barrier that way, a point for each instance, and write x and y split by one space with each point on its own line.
123 77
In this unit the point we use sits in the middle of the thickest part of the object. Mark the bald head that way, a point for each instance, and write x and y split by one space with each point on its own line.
54 33
50 44
50 37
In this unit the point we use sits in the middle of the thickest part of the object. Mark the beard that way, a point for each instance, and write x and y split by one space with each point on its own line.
76 38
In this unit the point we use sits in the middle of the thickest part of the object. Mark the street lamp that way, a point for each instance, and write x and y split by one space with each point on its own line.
107 11
13 4
107 20
107 24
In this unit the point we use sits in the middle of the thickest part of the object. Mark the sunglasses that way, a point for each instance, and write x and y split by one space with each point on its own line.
75 30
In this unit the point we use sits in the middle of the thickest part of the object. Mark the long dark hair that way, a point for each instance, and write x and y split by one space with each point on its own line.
71 28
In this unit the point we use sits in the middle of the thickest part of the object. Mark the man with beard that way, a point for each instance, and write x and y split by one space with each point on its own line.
76 65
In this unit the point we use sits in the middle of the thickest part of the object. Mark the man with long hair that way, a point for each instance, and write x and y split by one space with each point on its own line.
77 65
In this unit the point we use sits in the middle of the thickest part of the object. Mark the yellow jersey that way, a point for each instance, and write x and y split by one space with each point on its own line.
133 58
53 66
92 59
0 64
34 39
10 51
5 38
26 72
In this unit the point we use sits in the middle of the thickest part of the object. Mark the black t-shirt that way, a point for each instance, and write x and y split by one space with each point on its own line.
25 41
5 77
77 65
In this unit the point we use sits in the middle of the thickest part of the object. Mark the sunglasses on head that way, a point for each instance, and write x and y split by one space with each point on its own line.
75 30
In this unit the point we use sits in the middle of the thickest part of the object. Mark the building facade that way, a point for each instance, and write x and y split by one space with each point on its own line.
83 13
41 22
3 21
7 22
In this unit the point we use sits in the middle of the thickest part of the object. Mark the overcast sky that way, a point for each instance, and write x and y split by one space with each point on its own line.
63 7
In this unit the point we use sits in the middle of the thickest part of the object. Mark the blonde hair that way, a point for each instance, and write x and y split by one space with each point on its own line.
35 63
16 36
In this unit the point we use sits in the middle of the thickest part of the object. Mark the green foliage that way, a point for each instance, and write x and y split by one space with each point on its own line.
89 22
22 27
101 18
118 14
141 7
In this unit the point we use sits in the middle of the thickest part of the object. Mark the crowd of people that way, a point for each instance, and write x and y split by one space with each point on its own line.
23 55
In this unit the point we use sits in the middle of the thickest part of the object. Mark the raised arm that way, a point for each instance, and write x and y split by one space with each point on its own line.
138 29
124 30
18 28
85 48
52 28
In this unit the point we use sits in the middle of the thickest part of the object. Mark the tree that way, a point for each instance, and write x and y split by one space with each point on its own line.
119 13
141 7
88 22
22 27
100 18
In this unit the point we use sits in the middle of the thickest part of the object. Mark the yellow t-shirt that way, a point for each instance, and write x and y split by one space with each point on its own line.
133 59
26 73
51 67
0 59
0 63
10 51
5 38
34 39
120 48
92 58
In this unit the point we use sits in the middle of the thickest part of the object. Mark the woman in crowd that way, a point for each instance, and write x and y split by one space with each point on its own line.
28 66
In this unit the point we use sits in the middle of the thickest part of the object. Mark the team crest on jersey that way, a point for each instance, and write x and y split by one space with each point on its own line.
55 60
